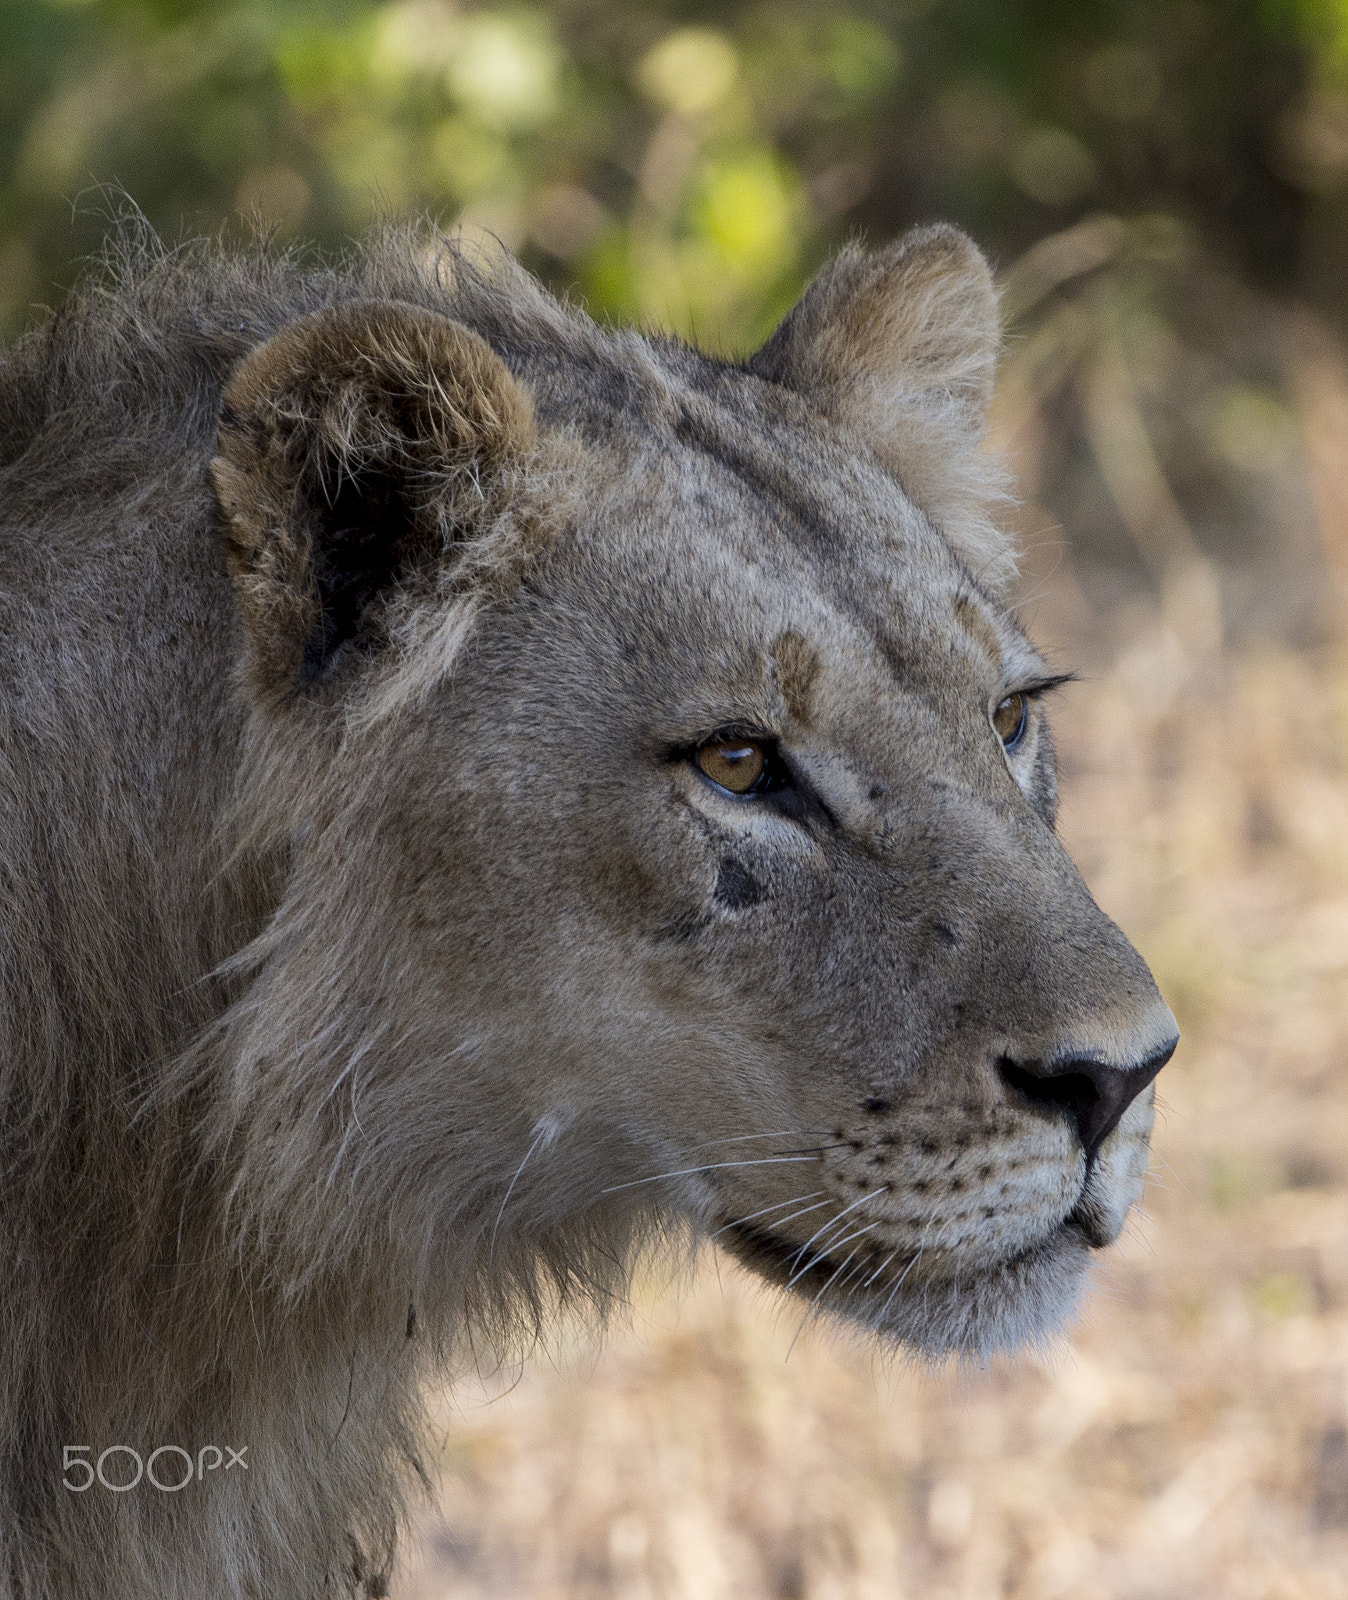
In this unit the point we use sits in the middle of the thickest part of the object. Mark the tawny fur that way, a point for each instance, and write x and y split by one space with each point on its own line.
371 943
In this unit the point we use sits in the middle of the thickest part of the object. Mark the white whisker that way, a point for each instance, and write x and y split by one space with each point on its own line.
740 1221
833 1221
898 1284
781 1222
813 1303
538 1139
860 1267
711 1166
786 1133
837 1244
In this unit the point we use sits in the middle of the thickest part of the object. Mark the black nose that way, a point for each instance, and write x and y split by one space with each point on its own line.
1095 1094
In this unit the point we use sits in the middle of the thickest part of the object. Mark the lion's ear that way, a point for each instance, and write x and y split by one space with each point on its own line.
360 449
900 347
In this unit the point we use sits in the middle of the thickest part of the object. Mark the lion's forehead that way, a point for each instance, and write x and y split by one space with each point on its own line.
744 464
742 532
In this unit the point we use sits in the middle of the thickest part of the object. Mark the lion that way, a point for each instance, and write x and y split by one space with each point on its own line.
486 794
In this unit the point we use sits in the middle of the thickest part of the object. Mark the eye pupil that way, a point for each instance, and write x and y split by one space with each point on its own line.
1009 720
736 765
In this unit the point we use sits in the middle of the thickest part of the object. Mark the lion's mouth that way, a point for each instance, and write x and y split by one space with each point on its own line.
937 1301
862 1275
1088 1220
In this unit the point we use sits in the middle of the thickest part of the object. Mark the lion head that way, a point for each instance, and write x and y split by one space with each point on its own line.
667 802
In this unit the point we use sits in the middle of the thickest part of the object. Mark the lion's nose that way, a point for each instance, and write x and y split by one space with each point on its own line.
1094 1092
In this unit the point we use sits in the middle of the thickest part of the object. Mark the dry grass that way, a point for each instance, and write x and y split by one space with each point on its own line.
1191 1439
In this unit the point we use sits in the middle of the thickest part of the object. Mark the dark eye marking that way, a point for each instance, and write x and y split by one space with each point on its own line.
736 887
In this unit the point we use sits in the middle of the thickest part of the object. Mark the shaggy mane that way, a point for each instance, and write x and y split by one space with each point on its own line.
141 347
121 1210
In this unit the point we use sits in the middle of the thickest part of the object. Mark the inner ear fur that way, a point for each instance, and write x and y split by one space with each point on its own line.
900 347
360 448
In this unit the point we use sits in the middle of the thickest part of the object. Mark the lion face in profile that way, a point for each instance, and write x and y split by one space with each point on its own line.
669 807
484 792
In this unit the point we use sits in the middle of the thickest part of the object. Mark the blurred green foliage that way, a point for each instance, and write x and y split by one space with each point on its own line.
683 163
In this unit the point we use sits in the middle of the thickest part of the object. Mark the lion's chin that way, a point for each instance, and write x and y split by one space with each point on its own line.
934 1304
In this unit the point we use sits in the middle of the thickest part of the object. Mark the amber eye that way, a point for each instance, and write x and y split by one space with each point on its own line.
1009 720
735 764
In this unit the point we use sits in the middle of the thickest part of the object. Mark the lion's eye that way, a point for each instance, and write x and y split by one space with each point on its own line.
735 764
1009 720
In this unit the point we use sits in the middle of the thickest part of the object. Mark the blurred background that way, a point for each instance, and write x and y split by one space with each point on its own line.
1163 188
